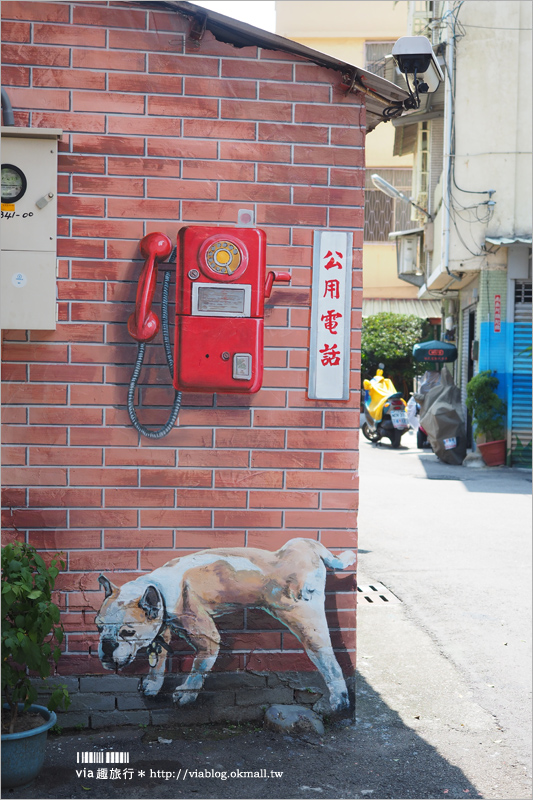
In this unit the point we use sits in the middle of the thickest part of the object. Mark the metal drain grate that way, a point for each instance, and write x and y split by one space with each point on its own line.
376 593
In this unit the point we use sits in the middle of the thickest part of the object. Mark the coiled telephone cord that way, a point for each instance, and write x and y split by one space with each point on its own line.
159 432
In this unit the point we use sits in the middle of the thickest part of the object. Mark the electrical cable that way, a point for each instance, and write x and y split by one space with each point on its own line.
159 433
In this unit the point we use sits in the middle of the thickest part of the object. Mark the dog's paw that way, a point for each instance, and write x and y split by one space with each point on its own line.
151 686
184 696
339 701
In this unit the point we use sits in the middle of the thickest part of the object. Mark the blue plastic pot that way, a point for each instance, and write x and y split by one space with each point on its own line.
23 753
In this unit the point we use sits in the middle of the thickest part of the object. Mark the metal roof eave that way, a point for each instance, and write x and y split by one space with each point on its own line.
378 91
505 241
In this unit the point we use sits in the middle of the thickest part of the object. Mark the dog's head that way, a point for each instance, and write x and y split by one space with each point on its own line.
127 621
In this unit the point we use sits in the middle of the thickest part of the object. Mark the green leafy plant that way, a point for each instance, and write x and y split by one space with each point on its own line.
487 409
389 339
31 627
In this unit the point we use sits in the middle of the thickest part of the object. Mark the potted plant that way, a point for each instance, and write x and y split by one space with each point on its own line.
488 413
31 635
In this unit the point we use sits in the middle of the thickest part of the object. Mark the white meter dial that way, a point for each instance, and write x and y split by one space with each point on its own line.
14 183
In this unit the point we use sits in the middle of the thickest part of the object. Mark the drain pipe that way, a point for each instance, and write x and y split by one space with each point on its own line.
448 123
7 109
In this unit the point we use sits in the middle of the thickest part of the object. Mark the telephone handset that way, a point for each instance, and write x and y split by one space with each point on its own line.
220 291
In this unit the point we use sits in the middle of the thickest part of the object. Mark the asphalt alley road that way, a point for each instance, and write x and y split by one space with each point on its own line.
454 657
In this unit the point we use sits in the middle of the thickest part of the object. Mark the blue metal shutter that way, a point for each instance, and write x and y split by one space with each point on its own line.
521 397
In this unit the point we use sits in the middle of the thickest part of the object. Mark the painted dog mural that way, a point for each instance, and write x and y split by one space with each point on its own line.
186 594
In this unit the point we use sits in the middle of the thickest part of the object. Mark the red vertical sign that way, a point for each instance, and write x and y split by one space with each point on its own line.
497 313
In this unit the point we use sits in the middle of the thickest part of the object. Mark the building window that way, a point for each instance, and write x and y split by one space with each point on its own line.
383 214
376 61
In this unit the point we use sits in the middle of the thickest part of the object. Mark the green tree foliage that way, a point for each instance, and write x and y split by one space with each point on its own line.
31 627
389 339
487 409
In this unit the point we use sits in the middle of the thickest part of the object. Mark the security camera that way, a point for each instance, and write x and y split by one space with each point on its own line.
415 58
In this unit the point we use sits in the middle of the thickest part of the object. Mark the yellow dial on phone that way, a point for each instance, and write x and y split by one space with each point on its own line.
223 257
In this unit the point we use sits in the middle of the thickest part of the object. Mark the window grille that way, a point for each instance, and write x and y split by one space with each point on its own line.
522 292
421 173
384 214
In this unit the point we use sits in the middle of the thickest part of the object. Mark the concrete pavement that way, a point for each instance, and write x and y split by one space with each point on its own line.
454 657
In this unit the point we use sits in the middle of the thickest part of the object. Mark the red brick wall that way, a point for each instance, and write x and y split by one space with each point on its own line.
159 133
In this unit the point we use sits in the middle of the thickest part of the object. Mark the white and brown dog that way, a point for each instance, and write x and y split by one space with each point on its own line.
186 594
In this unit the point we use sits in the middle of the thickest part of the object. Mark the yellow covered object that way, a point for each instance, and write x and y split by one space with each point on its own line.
379 388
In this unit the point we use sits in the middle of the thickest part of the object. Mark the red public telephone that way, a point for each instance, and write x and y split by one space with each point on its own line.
220 292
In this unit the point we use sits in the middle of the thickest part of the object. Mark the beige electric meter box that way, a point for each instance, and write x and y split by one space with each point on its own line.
28 228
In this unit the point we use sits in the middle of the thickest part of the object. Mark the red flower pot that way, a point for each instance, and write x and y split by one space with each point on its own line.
493 453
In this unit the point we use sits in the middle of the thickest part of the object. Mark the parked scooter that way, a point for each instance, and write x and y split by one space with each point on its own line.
385 410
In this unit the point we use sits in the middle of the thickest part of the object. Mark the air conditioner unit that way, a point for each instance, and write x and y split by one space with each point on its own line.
408 263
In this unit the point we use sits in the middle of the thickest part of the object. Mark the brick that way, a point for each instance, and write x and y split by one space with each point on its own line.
170 187
176 518
248 519
166 209
290 174
12 416
349 137
182 65
254 192
37 477
145 84
183 107
110 102
15 434
243 151
103 518
218 129
272 132
331 156
16 31
202 539
288 419
237 479
69 79
214 87
327 114
116 684
106 60
294 92
68 35
14 372
16 76
144 167
176 477
338 217
312 73
226 437
29 394
284 499
255 110
109 145
35 55
345 500
339 539
141 41
225 171
145 538
29 518
137 498
256 70
44 12
209 212
71 290
322 519
64 540
198 498
213 458
103 477
68 719
67 498
34 352
99 559
109 186
320 480
81 164
329 196
145 126
182 148
64 456
94 14
105 437
322 440
65 416
81 206
285 460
